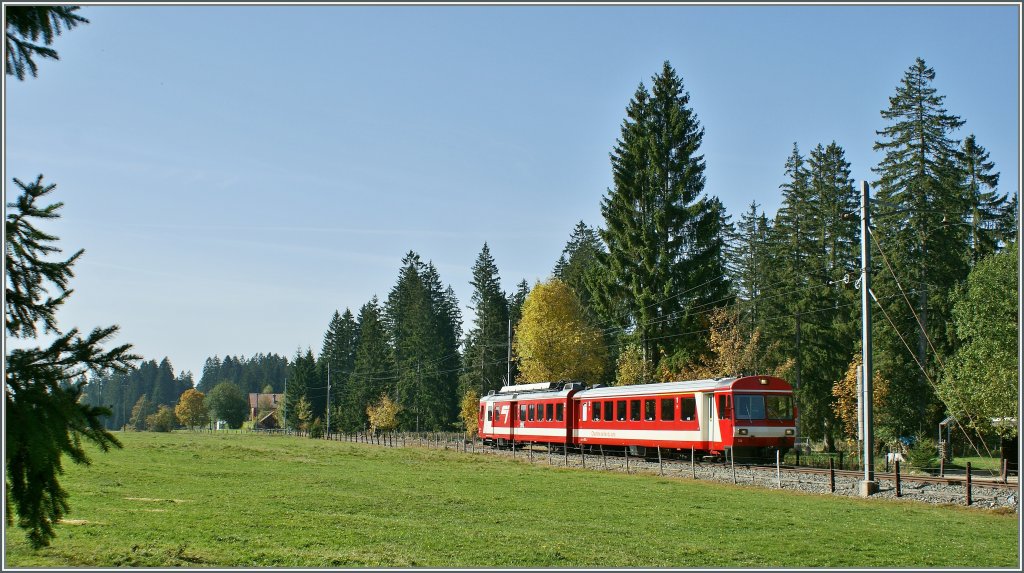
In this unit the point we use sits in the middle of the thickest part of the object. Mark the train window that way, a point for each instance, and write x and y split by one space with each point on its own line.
778 407
597 412
649 410
668 409
522 412
608 413
550 412
620 410
481 411
688 408
634 410
489 413
723 407
530 414
559 412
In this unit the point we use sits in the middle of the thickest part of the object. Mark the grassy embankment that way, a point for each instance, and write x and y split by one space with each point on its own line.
206 500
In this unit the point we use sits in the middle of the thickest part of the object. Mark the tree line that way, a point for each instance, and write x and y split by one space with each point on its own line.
667 288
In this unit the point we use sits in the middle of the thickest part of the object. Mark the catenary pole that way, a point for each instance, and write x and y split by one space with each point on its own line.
868 486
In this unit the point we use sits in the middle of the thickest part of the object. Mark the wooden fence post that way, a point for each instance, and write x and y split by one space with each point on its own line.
661 468
693 468
626 451
969 483
899 492
831 475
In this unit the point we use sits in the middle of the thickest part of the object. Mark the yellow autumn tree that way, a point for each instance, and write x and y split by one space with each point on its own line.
631 367
383 415
191 409
468 409
554 341
844 394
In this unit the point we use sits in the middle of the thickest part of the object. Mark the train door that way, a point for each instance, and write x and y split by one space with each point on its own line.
712 418
724 421
489 419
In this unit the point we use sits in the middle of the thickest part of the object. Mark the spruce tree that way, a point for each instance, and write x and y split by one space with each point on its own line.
918 193
990 215
664 236
44 417
579 262
485 360
337 359
374 371
303 385
418 349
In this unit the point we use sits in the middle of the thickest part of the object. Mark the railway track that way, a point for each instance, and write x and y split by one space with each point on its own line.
977 481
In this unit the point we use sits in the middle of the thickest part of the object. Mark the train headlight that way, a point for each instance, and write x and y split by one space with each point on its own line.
789 431
742 431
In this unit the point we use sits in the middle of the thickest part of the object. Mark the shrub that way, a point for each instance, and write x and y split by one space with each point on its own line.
923 454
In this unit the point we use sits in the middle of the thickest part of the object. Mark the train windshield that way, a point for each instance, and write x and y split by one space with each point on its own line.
759 407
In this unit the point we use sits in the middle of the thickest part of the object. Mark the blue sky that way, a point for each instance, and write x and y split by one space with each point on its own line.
236 174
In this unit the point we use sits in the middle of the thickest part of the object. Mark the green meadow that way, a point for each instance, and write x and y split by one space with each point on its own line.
245 500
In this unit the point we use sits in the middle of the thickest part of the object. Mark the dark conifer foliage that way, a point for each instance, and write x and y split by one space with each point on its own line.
45 418
250 374
516 299
26 25
919 193
338 358
991 216
303 383
665 237
415 328
486 357
373 374
579 265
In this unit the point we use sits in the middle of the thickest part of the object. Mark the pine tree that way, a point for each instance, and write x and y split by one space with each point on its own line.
516 300
579 262
665 238
303 384
27 25
917 192
44 418
374 369
338 358
418 346
485 359
990 215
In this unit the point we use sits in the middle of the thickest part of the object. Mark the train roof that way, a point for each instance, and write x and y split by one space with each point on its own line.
538 391
710 384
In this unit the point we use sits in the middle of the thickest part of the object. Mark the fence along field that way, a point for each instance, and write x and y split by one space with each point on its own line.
250 500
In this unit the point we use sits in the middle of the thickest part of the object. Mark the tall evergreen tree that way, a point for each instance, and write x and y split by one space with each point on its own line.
418 349
448 322
990 215
374 369
917 194
338 358
516 300
664 236
303 385
580 262
44 418
485 359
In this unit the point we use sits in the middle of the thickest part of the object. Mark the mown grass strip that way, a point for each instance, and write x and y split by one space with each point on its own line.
205 500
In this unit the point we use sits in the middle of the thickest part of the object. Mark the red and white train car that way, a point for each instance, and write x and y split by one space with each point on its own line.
542 412
750 415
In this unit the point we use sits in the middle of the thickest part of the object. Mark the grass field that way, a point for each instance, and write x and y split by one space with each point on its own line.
247 500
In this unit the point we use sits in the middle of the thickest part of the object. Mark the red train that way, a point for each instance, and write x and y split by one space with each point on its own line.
751 416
